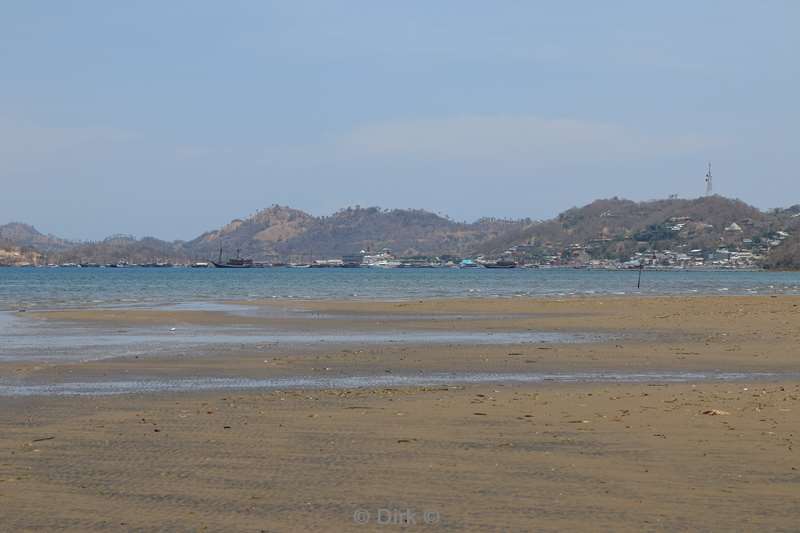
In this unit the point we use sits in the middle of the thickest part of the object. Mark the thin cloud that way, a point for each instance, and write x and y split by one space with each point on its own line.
25 145
508 139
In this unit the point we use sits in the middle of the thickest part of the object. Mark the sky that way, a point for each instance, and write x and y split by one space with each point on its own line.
172 118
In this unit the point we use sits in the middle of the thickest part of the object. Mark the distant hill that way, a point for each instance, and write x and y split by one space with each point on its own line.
282 232
14 255
611 228
786 256
123 248
24 235
614 227
23 244
259 236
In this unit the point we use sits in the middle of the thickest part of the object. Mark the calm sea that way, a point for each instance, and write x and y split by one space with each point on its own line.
34 288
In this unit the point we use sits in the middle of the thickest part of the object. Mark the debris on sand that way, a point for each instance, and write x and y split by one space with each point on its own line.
715 412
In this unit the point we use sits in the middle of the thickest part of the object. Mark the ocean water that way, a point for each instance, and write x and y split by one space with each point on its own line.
50 288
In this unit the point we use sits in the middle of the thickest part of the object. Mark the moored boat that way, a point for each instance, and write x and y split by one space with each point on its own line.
501 264
234 262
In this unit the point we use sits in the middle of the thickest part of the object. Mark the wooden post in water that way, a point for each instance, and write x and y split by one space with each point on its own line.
639 283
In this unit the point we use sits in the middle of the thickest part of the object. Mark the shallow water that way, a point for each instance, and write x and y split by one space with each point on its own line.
147 385
48 341
85 347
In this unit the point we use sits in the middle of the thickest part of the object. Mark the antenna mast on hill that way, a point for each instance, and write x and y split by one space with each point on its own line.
709 186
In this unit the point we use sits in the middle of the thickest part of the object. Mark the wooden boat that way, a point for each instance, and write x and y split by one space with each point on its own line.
234 262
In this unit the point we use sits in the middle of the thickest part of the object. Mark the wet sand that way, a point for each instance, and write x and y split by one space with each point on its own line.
621 458
759 334
591 456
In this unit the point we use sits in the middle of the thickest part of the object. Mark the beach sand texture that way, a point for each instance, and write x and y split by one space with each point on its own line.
716 456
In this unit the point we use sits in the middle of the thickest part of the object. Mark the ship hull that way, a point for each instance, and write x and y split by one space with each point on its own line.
223 265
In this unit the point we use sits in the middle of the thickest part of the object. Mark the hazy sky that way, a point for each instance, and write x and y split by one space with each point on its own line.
169 118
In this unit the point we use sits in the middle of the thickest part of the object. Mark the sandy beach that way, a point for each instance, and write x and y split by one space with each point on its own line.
706 455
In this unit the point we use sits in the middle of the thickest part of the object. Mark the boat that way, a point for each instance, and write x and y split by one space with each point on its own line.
352 260
326 263
234 262
415 263
120 264
392 263
501 264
